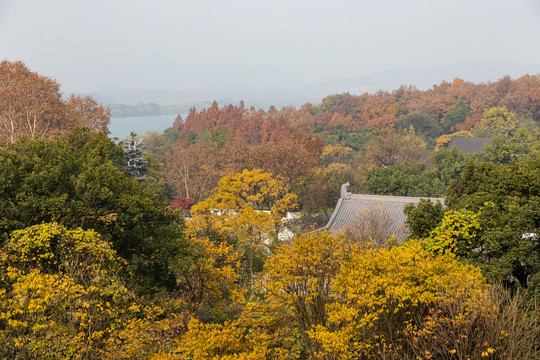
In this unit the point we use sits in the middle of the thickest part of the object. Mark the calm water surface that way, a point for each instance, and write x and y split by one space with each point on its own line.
122 127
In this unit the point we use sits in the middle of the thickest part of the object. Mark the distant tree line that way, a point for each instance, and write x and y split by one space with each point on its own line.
152 109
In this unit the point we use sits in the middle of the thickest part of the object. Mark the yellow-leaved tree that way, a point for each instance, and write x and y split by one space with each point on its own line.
292 297
210 281
61 293
455 234
62 297
350 300
298 280
248 205
323 297
385 296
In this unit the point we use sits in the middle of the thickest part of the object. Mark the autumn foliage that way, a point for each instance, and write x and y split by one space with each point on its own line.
32 105
96 265
365 131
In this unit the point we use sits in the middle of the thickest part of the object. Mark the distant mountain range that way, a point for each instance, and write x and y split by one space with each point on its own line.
475 71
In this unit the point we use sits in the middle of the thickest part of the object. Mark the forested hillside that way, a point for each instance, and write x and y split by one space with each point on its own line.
98 261
386 143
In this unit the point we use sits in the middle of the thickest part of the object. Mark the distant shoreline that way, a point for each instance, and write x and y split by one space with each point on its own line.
121 127
152 109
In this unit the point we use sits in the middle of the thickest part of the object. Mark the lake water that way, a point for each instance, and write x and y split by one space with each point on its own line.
122 127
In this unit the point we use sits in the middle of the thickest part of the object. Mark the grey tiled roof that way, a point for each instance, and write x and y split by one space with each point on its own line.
362 212
469 145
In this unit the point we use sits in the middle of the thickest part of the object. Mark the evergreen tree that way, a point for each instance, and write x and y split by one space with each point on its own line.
134 159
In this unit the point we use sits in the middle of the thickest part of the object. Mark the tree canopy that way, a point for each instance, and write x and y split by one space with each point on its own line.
32 105
80 181
507 197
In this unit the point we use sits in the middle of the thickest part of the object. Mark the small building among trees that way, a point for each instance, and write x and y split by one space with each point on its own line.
468 145
373 218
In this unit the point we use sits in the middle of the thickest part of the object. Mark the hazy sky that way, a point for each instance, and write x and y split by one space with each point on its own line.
122 44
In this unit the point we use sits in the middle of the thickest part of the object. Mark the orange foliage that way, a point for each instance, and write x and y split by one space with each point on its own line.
382 124
469 123
31 104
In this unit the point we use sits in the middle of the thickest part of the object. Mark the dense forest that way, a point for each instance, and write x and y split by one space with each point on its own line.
166 246
389 143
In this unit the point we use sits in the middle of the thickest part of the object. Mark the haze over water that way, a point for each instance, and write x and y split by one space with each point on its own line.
90 46
121 127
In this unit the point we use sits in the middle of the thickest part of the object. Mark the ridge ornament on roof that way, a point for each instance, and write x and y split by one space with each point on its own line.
344 193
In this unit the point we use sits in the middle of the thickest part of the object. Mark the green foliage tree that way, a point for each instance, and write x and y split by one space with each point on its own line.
421 123
449 165
134 159
508 198
78 181
522 145
355 140
497 121
403 180
218 137
328 103
423 218
456 115
419 179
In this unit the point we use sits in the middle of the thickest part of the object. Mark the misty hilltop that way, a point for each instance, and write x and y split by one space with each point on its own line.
263 96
